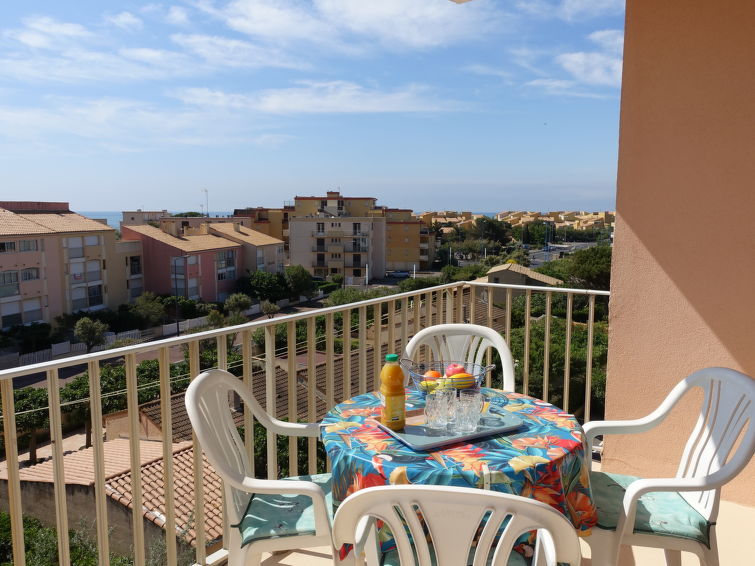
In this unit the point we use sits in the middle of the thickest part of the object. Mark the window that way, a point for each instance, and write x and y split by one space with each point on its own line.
340 205
320 227
75 247
357 273
333 270
226 259
335 256
30 274
91 240
323 203
28 246
32 310
94 294
320 244
7 247
357 227
135 261
357 260
93 270
192 260
10 314
228 274
335 224
320 259
9 283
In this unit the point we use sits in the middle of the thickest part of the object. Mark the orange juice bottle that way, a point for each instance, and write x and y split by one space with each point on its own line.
392 389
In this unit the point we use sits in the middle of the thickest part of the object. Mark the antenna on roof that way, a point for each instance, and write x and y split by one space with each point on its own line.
207 202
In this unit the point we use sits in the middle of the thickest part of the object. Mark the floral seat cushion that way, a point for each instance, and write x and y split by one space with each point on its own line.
658 513
275 515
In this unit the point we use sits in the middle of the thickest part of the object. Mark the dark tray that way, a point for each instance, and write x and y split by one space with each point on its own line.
420 437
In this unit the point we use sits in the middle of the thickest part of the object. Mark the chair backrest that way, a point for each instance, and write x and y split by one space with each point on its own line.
728 407
208 404
445 521
463 342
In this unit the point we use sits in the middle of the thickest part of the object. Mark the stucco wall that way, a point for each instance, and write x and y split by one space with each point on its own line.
684 254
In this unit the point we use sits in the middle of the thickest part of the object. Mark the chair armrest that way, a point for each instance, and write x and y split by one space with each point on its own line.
294 429
597 428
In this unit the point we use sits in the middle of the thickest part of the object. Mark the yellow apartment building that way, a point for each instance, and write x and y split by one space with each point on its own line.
54 261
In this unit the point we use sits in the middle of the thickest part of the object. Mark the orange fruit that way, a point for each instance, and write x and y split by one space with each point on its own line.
432 374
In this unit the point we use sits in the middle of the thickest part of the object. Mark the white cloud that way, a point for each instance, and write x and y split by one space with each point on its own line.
598 68
116 124
488 70
271 140
47 33
333 97
571 10
592 68
611 40
356 26
177 16
528 59
224 52
125 20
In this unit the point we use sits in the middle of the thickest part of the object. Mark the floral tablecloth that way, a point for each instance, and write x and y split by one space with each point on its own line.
544 459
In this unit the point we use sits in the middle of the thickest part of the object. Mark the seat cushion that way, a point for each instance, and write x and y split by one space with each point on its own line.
276 515
664 513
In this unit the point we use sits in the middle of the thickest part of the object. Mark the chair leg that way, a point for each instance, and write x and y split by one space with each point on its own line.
604 547
673 557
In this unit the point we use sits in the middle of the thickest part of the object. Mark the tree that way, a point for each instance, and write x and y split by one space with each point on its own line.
270 309
485 228
150 308
190 214
299 281
91 332
215 319
268 286
591 268
32 415
238 303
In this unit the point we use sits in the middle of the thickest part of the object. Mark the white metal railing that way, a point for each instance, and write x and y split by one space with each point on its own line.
312 382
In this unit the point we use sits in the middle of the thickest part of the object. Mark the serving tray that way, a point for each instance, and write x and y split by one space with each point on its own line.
418 436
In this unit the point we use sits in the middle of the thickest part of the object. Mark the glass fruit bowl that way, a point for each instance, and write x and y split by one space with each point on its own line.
430 376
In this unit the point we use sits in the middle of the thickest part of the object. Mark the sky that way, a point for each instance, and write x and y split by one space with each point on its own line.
488 105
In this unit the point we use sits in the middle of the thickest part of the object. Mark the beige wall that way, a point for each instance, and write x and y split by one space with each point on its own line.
682 286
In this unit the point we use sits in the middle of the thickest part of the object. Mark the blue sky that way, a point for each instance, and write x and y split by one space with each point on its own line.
425 104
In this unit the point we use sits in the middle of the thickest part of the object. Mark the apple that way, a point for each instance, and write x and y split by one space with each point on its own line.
453 369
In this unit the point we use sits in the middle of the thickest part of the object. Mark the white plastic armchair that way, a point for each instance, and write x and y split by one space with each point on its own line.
711 458
277 514
463 342
452 517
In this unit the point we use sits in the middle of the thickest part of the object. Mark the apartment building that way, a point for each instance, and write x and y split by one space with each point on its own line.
139 216
54 261
203 262
270 221
578 220
335 234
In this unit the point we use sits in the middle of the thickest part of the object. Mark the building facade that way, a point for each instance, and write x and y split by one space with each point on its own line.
203 263
54 261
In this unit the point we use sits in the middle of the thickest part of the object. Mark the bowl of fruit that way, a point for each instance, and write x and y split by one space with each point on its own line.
429 376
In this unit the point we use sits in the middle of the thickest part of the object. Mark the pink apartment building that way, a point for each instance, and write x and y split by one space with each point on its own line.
54 261
203 262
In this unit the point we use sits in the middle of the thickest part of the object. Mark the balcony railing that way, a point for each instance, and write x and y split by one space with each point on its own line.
298 366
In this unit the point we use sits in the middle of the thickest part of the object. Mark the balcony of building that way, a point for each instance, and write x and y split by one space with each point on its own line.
177 490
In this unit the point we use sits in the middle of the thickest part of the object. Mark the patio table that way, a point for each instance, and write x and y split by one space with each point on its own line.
544 459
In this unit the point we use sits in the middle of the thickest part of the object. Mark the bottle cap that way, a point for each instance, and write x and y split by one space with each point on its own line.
391 358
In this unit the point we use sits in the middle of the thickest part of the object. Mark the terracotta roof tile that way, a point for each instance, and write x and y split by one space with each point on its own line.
153 494
79 465
532 274
198 243
245 234
66 222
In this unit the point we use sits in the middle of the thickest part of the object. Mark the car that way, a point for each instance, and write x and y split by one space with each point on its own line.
400 274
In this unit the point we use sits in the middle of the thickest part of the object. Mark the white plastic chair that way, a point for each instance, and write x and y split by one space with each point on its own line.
641 514
275 514
452 517
463 342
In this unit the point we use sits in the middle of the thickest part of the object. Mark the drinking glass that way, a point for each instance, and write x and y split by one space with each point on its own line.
434 411
448 404
468 411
